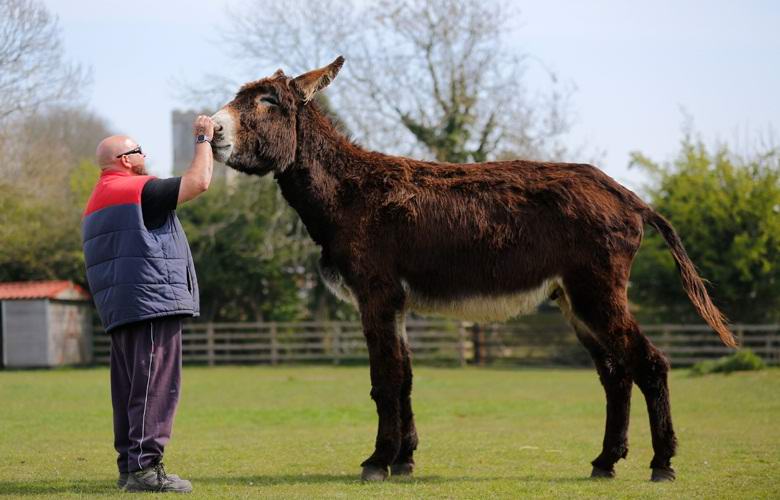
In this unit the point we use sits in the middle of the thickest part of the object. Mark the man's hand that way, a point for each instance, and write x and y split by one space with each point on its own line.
197 178
203 125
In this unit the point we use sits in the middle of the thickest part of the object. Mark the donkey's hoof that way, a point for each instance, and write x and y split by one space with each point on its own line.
402 469
663 475
598 472
372 473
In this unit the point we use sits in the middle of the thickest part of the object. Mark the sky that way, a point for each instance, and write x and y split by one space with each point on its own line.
638 68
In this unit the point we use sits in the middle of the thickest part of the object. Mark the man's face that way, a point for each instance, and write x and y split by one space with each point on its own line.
134 159
139 169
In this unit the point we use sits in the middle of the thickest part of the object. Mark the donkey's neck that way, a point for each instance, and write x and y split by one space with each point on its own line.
325 163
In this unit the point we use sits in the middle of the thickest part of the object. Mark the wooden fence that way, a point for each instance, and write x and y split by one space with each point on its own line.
441 341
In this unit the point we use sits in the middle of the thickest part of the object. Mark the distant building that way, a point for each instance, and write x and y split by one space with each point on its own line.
183 145
44 323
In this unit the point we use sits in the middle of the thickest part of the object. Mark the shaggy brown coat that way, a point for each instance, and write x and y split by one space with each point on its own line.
486 240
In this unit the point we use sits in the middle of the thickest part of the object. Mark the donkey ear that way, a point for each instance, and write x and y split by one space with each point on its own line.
278 73
312 82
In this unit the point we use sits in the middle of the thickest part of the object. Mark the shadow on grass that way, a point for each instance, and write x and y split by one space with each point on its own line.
290 479
83 486
91 487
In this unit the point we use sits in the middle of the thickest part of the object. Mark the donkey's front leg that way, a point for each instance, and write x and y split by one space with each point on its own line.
404 462
387 376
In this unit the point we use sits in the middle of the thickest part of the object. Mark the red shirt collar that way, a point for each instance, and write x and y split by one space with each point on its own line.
106 173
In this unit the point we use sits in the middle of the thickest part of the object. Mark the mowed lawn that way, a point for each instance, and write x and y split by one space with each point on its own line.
301 432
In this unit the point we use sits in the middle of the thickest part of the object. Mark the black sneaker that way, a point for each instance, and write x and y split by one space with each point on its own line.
122 479
154 478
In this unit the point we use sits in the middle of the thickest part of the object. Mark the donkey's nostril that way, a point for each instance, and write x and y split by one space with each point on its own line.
218 127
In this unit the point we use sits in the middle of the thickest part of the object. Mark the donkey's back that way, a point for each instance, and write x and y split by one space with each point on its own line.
490 241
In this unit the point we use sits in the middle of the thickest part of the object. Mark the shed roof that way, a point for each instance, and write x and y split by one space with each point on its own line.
62 290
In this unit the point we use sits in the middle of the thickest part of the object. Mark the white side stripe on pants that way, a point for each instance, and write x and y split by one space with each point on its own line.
146 397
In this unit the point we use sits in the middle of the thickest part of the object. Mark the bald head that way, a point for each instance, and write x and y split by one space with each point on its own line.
110 147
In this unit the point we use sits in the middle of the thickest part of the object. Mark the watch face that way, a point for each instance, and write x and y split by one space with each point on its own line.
201 138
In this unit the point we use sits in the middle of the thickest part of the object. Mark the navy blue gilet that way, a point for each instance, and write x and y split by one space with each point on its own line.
133 273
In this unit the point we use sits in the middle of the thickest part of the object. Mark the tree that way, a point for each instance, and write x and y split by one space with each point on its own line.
33 69
46 148
726 209
432 77
46 176
425 78
249 253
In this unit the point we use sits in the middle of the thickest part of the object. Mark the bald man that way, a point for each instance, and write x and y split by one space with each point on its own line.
143 282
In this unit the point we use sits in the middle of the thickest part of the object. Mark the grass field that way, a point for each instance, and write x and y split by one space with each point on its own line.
301 432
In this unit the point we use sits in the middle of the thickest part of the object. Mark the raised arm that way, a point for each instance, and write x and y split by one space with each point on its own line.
197 178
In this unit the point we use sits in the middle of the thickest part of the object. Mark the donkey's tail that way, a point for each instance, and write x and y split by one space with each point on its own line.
692 282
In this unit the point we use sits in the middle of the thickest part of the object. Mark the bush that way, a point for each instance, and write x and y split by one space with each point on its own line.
742 360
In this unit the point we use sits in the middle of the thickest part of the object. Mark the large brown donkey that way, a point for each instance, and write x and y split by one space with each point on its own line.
484 241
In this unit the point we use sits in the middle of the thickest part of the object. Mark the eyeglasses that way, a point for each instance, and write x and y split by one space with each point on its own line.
132 152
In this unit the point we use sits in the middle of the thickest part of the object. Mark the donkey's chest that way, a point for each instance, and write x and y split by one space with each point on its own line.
473 307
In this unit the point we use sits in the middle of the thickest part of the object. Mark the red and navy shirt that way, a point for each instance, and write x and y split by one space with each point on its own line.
136 270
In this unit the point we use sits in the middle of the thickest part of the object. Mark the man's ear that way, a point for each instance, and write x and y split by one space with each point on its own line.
312 82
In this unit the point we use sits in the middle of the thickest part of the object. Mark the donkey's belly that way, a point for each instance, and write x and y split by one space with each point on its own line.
482 307
337 286
474 308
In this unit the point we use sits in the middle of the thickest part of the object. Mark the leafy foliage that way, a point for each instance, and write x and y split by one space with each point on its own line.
744 360
47 176
243 271
726 209
253 258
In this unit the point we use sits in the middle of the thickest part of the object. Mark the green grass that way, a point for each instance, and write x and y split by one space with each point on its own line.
301 432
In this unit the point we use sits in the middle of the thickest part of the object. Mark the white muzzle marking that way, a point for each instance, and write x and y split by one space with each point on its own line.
224 135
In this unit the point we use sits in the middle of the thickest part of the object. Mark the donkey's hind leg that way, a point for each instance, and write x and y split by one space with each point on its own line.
603 307
650 368
617 385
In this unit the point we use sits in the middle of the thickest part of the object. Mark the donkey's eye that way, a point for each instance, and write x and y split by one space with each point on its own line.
269 99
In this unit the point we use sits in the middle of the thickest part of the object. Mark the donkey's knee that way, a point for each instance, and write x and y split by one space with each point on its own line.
386 396
650 367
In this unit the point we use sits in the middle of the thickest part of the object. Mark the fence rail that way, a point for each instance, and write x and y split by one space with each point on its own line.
445 341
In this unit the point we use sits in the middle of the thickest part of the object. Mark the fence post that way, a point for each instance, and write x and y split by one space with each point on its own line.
274 345
210 343
491 343
478 338
666 343
462 343
336 345
741 336
768 347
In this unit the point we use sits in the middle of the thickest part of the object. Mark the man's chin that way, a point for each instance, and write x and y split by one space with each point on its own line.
139 170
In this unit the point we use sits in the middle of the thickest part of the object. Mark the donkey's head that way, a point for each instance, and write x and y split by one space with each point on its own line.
256 131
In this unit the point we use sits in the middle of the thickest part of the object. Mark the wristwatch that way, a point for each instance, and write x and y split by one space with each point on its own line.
202 138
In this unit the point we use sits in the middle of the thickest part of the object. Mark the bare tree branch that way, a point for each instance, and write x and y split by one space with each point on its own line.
33 69
441 69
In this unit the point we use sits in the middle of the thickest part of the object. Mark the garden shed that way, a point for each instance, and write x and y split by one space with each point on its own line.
44 324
